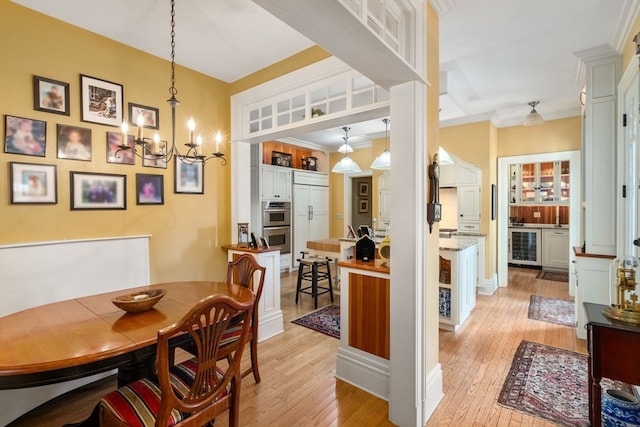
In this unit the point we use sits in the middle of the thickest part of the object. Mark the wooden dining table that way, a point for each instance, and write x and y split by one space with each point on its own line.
75 338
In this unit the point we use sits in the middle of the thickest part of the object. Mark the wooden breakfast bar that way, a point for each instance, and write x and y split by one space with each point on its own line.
363 356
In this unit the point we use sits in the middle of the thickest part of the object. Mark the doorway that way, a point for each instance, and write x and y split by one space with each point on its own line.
361 192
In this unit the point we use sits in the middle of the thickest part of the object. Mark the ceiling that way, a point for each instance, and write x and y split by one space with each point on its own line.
495 55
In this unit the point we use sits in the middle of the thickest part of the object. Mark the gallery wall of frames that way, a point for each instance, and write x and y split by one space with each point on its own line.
64 93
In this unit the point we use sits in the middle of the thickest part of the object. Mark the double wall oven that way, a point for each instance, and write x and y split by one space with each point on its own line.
276 224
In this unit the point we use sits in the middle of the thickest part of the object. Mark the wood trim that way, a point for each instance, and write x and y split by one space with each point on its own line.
375 266
369 314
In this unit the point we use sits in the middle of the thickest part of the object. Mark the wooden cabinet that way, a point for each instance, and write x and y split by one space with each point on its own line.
310 215
539 183
555 249
469 208
275 183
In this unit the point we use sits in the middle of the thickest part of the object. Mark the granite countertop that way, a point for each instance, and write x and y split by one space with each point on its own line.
553 226
468 234
456 244
377 240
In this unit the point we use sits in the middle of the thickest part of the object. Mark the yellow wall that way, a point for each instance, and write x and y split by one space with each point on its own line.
188 230
550 137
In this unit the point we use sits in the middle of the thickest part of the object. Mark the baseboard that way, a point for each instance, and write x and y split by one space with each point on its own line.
271 324
365 372
434 394
489 286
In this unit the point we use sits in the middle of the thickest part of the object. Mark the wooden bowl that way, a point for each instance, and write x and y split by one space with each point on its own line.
139 301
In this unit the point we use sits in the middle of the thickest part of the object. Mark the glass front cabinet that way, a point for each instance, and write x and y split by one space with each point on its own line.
539 183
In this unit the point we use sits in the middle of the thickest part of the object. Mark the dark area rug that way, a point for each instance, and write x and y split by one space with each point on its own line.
325 320
556 276
550 383
552 310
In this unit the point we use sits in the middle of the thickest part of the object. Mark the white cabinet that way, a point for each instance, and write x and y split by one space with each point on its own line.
555 249
276 183
539 183
448 175
310 214
592 285
469 208
454 175
458 297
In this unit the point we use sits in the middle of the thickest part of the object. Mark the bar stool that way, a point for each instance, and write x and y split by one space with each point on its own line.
313 274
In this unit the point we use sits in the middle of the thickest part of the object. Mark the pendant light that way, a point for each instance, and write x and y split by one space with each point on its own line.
534 118
346 164
383 161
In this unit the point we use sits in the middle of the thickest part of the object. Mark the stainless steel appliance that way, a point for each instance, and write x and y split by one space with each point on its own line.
276 225
525 246
276 214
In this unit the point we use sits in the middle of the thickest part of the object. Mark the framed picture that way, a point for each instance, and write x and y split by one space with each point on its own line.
151 115
74 143
90 191
363 205
281 159
149 189
101 101
151 161
25 136
115 154
50 95
363 189
33 183
189 176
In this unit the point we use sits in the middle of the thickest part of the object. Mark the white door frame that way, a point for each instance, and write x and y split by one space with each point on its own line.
348 193
503 205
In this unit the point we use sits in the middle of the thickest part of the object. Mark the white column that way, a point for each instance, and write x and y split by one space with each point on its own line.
412 398
240 186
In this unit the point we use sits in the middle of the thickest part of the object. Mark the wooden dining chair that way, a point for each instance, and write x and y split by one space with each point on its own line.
195 392
241 271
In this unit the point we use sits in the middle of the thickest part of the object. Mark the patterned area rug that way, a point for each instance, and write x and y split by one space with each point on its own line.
556 276
550 383
325 320
552 310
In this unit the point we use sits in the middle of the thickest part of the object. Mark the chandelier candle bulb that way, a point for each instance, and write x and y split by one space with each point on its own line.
156 144
125 129
140 124
198 145
192 127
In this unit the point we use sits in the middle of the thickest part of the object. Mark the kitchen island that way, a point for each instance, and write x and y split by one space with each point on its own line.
363 356
457 295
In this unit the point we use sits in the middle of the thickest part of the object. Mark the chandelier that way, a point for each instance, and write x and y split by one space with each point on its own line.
156 149
346 164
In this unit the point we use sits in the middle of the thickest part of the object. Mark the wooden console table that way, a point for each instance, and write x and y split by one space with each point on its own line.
613 353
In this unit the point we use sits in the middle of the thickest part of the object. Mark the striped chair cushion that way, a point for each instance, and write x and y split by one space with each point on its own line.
137 404
232 334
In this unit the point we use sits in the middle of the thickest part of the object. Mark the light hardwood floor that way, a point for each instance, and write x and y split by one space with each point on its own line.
298 387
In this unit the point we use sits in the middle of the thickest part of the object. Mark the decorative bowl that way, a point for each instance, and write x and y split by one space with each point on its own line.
139 301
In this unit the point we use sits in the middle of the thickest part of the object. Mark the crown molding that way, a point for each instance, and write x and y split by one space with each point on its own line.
581 57
628 16
442 7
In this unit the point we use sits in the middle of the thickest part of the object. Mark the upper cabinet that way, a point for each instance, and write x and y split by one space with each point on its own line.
276 183
539 183
459 174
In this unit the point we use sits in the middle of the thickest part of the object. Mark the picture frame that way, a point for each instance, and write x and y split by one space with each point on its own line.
150 161
189 176
363 189
363 206
281 159
115 154
74 143
151 115
101 101
51 96
98 191
32 183
149 189
25 136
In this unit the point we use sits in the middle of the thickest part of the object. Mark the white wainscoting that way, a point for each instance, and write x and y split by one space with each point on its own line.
33 274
